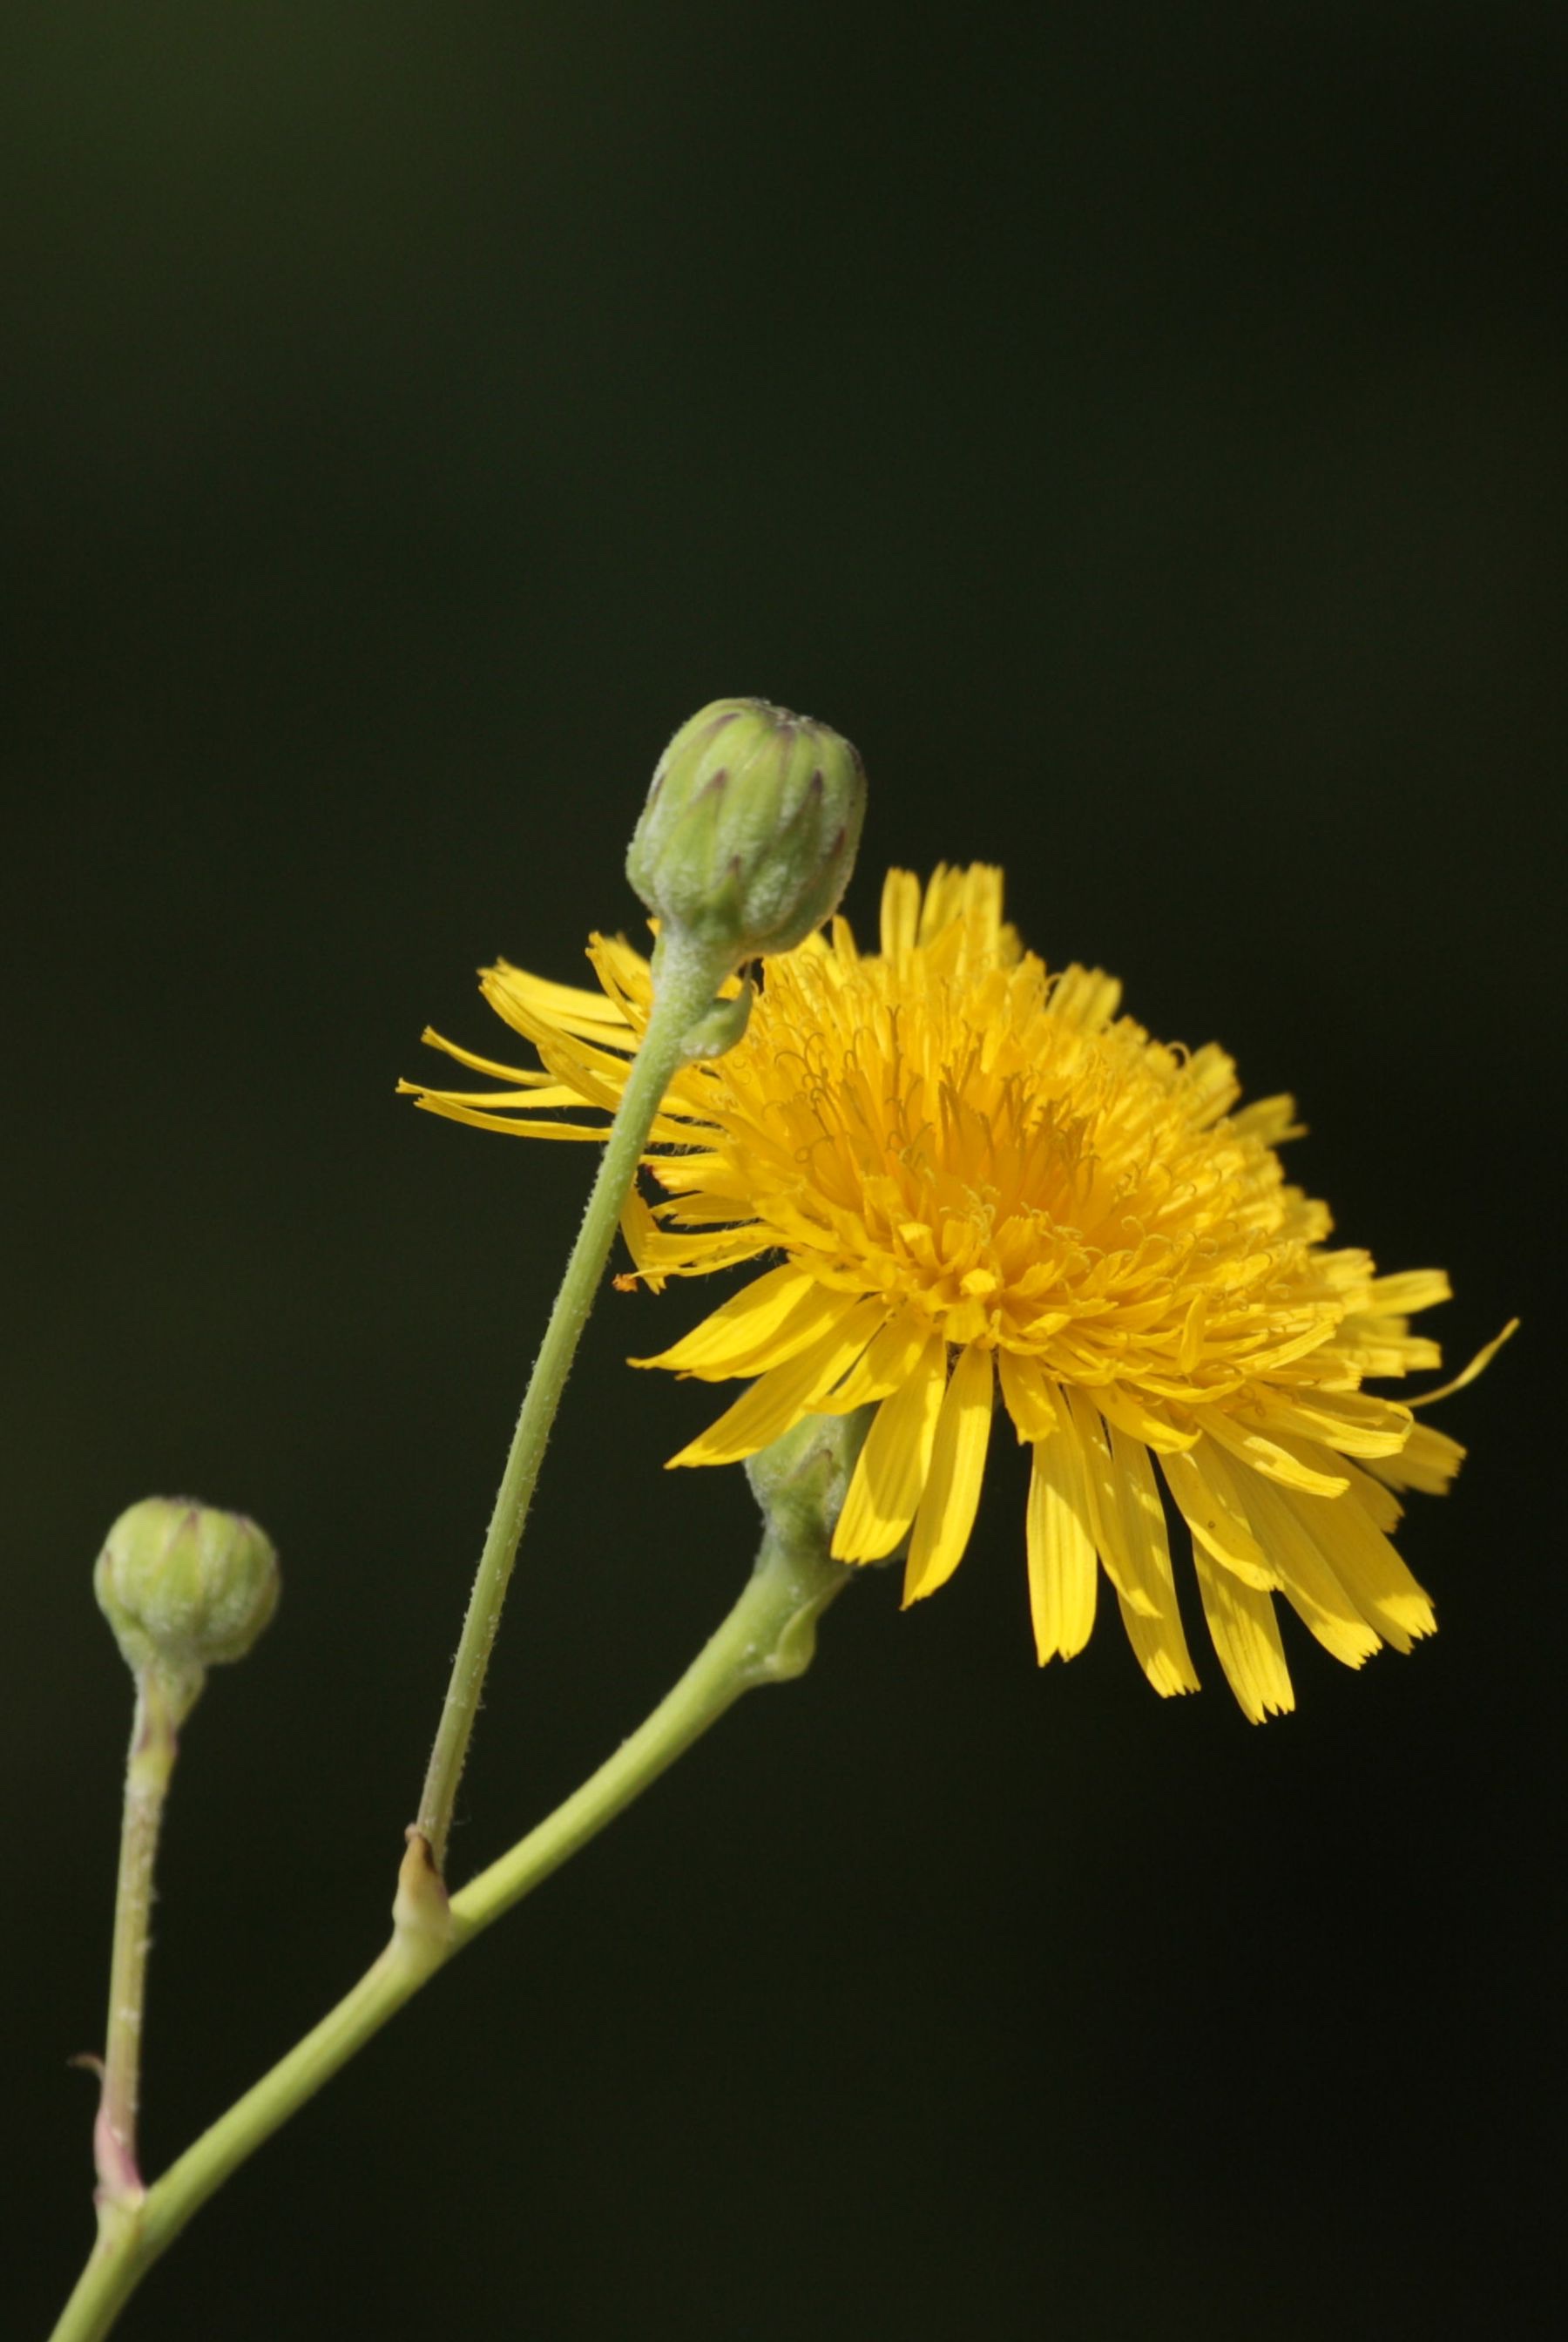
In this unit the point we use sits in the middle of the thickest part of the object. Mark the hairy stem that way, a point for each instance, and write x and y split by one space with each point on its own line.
160 1707
768 1638
685 988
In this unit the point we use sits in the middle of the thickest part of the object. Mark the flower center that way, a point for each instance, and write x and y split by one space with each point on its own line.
1022 1177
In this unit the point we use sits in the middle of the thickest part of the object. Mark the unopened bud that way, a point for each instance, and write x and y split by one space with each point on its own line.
750 830
184 1587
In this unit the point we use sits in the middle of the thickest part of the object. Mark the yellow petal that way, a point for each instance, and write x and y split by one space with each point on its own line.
1478 1366
1062 1567
593 1054
941 902
770 1320
1212 1514
659 1254
1353 1423
454 1110
1367 1566
566 1005
1271 1119
1085 996
1119 1405
1311 1587
780 1397
1246 1638
889 1360
900 914
628 978
1105 1501
1026 1395
1376 1499
470 1057
1155 1629
947 1509
1289 1465
1407 1291
891 1475
542 1093
1428 1461
979 904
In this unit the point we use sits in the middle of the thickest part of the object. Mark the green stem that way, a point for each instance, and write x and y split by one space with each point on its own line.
768 1638
160 1707
685 984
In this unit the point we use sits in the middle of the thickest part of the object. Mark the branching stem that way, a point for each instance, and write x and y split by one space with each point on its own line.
768 1638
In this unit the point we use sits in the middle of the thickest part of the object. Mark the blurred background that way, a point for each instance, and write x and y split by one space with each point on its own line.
1140 429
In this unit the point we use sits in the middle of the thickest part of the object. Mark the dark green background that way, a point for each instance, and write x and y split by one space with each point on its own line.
1142 429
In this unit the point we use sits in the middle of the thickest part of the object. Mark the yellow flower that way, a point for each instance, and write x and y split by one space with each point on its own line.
977 1174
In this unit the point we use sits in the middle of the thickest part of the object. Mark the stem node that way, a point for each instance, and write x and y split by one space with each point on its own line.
422 1928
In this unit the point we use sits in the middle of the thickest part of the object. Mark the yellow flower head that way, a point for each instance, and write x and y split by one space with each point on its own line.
974 1173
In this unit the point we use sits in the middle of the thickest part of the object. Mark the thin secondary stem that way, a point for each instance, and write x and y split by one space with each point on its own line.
685 990
148 1768
768 1638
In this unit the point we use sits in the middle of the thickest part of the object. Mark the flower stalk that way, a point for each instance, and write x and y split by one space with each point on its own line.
687 977
161 1706
766 857
769 1636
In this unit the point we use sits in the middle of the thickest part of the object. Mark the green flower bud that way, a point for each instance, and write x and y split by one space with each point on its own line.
749 834
184 1587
